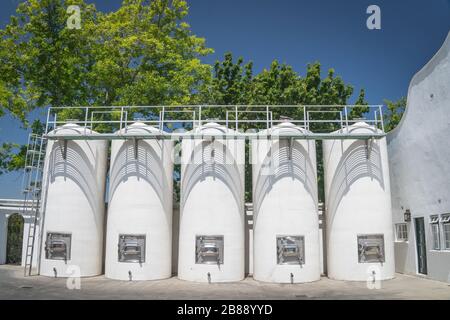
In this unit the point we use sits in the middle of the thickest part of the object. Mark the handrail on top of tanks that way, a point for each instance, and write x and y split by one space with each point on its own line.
197 109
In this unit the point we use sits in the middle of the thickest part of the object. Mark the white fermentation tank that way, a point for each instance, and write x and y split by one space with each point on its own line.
139 227
73 204
211 240
358 207
286 227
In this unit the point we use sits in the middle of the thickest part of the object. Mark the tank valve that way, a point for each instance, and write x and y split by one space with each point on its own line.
209 277
292 278
130 276
55 272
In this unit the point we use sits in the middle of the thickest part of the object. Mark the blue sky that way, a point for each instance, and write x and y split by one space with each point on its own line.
299 32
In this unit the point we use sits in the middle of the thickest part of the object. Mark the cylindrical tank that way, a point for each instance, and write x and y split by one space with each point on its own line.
139 227
358 207
73 204
286 225
211 241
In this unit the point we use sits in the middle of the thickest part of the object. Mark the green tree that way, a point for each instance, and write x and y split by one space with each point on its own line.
14 239
234 83
142 54
146 55
44 63
395 110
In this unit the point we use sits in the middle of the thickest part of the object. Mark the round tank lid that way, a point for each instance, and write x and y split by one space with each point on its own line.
71 128
213 127
140 124
139 127
212 124
360 127
70 125
288 127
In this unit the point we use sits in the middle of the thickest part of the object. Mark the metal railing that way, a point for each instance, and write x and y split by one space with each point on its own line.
318 121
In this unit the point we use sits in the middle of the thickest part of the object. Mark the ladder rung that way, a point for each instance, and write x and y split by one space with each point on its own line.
35 152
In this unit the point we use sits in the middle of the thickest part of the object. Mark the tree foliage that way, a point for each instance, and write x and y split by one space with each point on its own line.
235 83
141 54
14 239
395 110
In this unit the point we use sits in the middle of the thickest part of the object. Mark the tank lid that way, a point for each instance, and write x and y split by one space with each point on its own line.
69 129
286 127
139 127
360 127
140 124
213 127
69 125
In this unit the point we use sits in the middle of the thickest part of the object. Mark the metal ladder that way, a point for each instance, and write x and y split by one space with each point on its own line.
32 183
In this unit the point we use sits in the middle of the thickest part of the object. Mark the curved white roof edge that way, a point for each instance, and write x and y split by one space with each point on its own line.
426 70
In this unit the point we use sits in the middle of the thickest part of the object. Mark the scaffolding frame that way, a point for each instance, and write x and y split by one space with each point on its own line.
164 118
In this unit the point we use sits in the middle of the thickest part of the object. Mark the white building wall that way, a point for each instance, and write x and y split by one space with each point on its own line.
3 236
419 156
9 207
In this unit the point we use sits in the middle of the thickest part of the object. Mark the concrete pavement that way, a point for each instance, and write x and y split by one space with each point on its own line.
14 286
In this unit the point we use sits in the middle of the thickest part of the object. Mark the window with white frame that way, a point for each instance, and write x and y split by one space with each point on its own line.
445 220
435 232
401 232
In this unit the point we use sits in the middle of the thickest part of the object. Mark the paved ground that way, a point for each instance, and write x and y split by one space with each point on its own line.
14 286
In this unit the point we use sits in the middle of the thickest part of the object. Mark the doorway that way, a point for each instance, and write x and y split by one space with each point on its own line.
421 246
14 239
